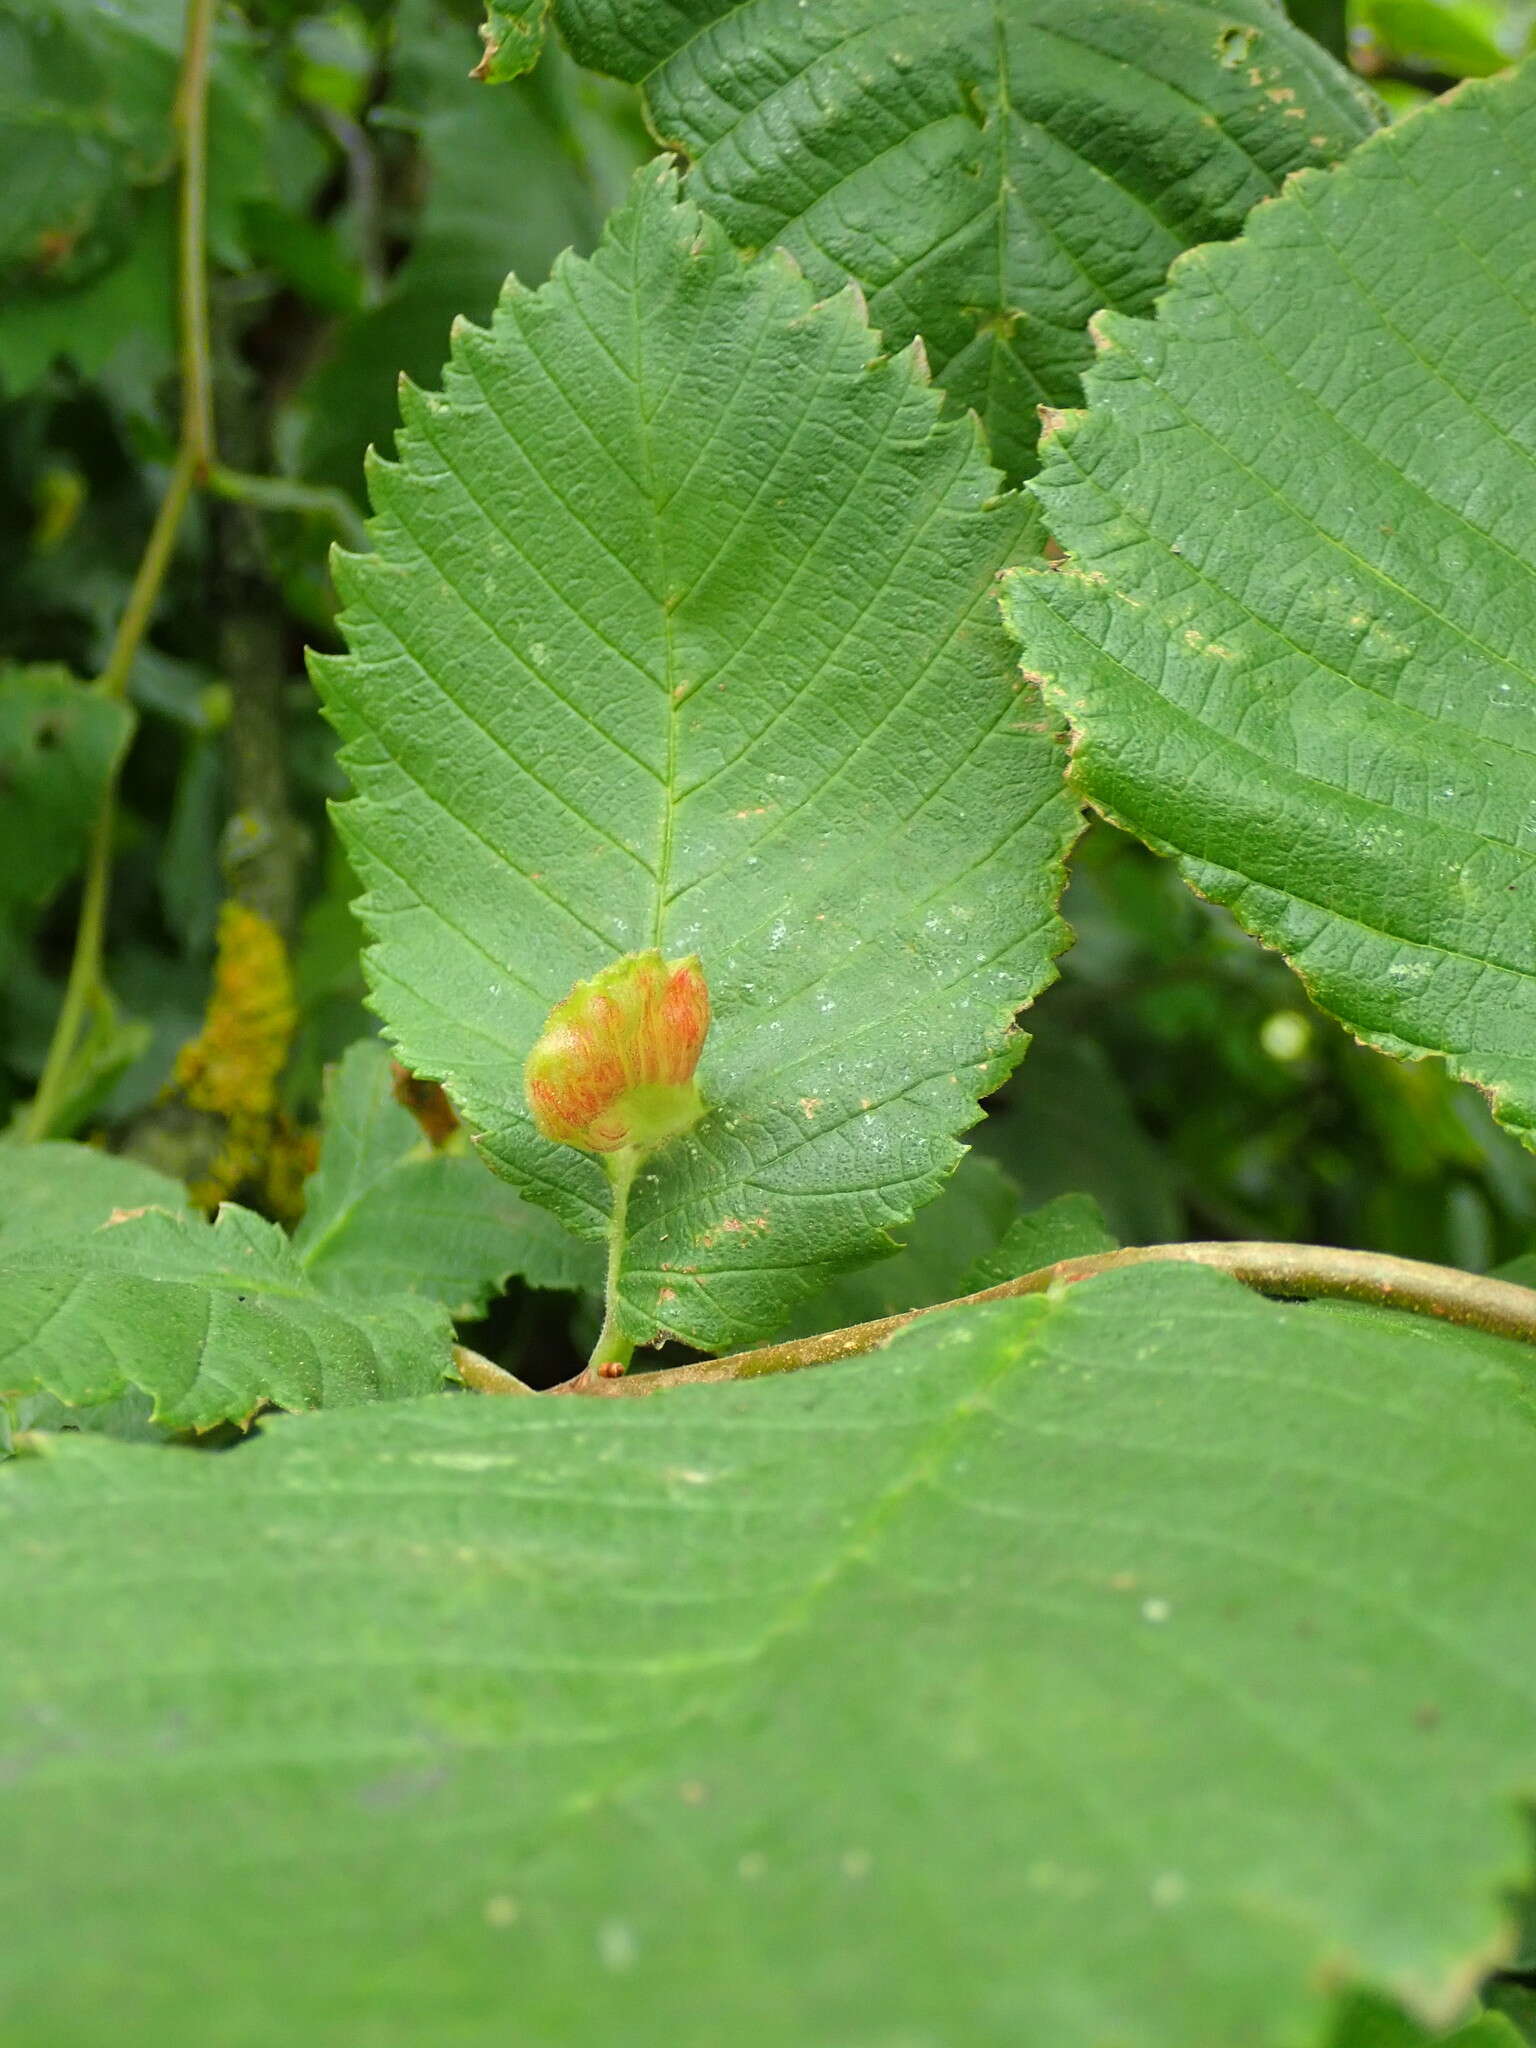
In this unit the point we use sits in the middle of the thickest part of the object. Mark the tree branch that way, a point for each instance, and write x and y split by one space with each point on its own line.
1292 1271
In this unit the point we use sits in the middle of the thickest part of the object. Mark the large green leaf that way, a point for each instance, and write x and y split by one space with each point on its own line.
385 1214
682 631
990 171
212 1321
1295 635
1126 1666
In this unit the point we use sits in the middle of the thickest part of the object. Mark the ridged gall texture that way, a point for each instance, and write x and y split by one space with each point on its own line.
615 1063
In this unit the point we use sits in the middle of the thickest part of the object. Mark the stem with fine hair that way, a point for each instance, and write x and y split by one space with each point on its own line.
613 1350
1290 1271
193 457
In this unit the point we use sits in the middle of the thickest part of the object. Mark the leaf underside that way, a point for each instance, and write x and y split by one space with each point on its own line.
1295 635
1135 1664
991 172
682 631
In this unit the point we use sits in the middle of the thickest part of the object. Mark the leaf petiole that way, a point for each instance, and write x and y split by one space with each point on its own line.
613 1350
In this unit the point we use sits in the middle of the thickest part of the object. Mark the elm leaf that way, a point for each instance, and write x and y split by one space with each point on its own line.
1140 1664
991 172
682 631
214 1321
1295 635
513 35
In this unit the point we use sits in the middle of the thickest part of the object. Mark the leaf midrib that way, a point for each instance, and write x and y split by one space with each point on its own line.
667 603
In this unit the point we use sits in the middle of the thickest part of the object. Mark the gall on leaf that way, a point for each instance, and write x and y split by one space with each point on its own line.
613 1068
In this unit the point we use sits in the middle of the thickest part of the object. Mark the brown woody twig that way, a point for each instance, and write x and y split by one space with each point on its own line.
1292 1271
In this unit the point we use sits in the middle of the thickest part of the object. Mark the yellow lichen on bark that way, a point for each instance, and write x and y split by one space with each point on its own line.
232 1068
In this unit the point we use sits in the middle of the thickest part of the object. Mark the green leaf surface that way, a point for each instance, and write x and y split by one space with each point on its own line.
1516 2006
53 1194
385 1214
972 1237
213 1321
1489 2030
682 632
81 123
992 172
1457 38
1135 1665
58 744
129 1419
119 326
1069 1227
53 1191
513 35
1295 634
937 1250
1371 2022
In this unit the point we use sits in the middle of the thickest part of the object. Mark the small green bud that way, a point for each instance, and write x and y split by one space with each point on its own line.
614 1066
